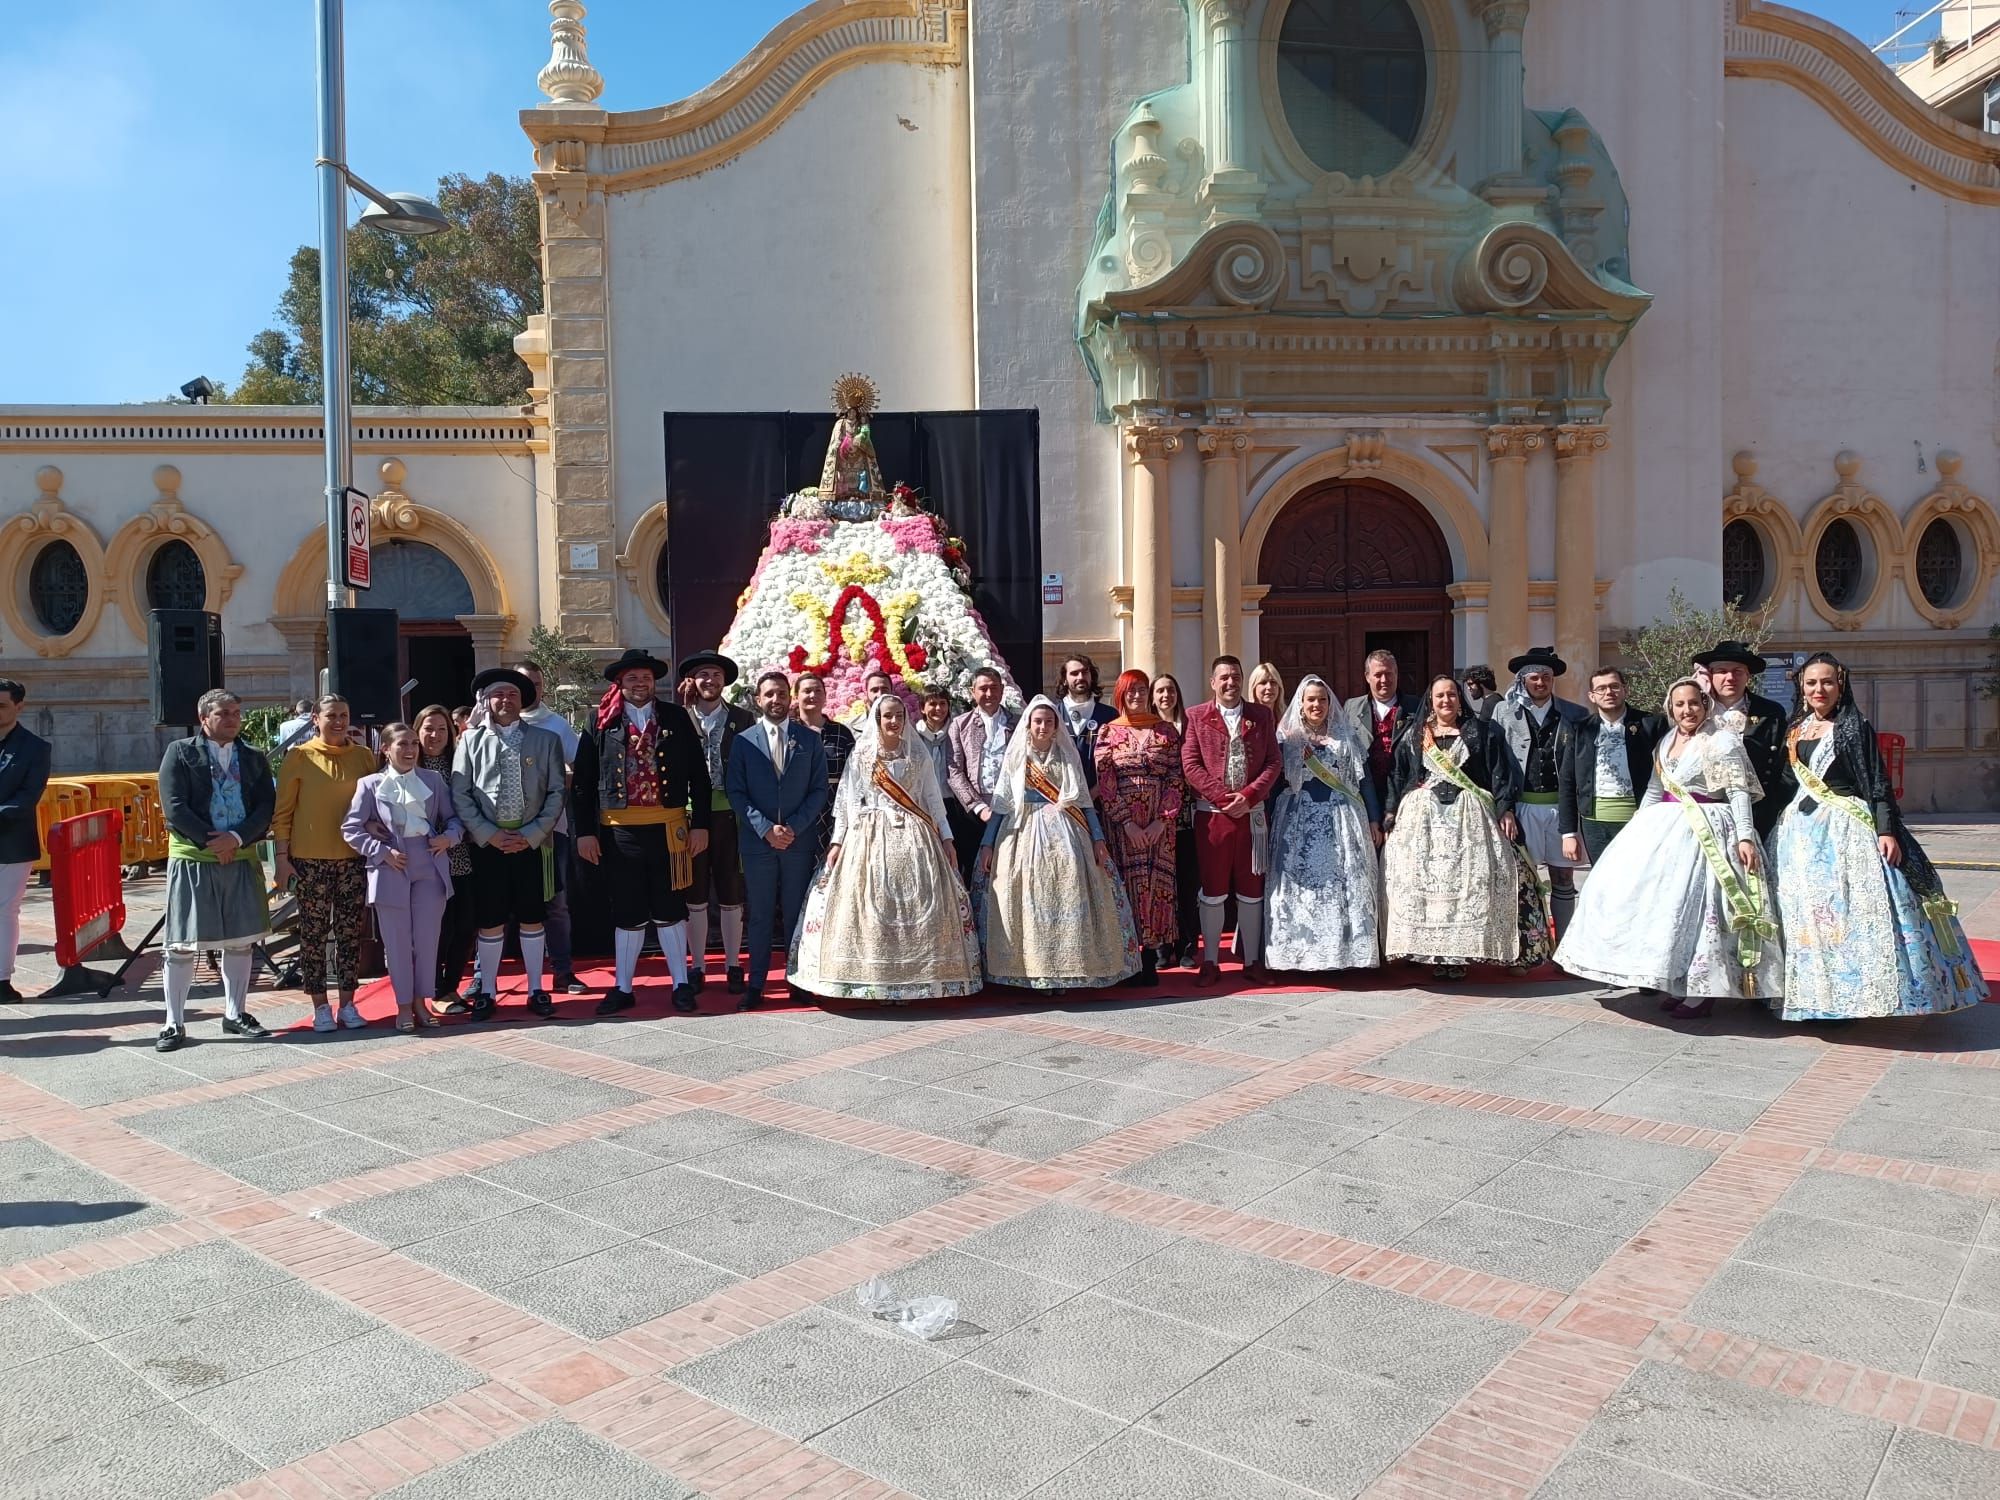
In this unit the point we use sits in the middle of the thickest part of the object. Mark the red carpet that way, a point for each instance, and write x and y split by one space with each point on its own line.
1988 953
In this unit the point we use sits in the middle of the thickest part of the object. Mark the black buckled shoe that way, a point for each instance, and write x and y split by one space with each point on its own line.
244 1025
8 994
615 1001
684 1000
750 1001
540 1003
736 983
481 1005
170 1040
697 976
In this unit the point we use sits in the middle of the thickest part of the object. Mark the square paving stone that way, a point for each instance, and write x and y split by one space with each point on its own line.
1000 1043
298 1167
1763 1084
1589 1475
1419 1065
1858 1254
1886 1205
1227 1178
1685 1106
1822 1317
755 1231
161 1454
1396 1159
31 1329
237 1337
294 1409
721 1063
168 1287
550 1460
1922 1467
1475 1130
1139 1465
1072 1246
641 1042
684 1137
1979 1287
569 1169
1529 1080
49 1202
655 1200
1503 1243
310 1094
1110 1103
1956 1078
110 1074
1227 1290
803 1375
1318 1427
1184 1029
1109 1356
1888 1135
881 1190
616 1289
927 1064
1371 1212
1652 1163
1008 1083
1437 1352
221 1132
779 1161
1738 1438
1580 1198
930 1111
428 1210
1494 1047
1170 1075
1966 1352
964 1433
77 1391
1350 1109
1024 1131
991 1298
841 1090
556 1098
517 1245
1286 1138
422 1121
1276 1043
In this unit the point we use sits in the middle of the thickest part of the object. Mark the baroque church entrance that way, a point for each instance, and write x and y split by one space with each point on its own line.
1355 566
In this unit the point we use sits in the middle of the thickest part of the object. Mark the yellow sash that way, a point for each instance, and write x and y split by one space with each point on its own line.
1742 895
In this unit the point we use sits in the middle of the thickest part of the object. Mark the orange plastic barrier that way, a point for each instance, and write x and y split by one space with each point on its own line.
122 795
1893 746
155 815
87 881
61 799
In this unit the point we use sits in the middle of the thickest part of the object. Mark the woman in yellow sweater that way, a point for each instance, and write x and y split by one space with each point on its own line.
315 788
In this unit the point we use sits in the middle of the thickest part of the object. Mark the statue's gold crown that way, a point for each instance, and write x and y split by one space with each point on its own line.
856 395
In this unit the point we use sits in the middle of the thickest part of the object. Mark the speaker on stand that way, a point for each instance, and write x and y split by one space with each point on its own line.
186 650
361 659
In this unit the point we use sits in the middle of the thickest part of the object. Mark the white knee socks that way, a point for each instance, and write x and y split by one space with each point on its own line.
487 966
235 981
697 938
627 943
1211 931
1249 929
732 936
532 945
674 944
179 979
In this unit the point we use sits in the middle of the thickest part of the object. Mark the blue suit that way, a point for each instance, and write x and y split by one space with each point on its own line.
774 880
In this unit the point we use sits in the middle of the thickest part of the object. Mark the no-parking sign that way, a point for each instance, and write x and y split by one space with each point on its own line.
358 540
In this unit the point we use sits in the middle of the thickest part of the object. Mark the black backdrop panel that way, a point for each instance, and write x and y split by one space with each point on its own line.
980 470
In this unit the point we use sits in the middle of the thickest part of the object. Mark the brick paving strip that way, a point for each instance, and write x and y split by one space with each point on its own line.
1502 1439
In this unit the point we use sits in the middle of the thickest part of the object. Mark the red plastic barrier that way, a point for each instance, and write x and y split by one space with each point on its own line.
87 881
1892 760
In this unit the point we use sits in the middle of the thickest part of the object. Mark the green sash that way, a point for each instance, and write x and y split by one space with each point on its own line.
548 853
1444 766
179 846
1742 895
1325 775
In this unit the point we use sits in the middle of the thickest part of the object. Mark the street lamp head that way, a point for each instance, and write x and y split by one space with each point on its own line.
410 216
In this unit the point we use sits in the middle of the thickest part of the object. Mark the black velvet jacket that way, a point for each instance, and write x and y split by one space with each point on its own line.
597 781
1489 764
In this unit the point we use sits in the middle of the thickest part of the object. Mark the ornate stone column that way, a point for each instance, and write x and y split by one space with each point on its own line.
1507 605
1231 189
1222 450
305 649
1577 447
1152 564
1505 84
489 638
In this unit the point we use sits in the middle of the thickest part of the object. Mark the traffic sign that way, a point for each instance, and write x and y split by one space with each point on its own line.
358 540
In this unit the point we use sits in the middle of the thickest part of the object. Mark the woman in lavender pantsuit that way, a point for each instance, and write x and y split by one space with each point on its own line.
403 824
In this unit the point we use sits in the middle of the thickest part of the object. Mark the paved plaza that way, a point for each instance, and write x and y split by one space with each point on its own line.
1490 1241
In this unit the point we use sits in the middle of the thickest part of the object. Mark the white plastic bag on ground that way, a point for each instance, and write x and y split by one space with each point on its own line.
925 1317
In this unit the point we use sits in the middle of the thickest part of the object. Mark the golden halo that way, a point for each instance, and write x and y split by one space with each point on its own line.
856 393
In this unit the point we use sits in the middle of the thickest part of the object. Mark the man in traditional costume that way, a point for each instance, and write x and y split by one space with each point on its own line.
776 782
718 871
1231 760
1378 716
1082 715
978 745
1602 766
544 715
1760 721
1532 718
218 797
507 784
642 802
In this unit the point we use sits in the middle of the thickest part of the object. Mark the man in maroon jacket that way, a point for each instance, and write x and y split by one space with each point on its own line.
1230 756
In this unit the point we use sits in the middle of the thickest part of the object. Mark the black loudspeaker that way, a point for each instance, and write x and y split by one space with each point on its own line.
361 661
186 650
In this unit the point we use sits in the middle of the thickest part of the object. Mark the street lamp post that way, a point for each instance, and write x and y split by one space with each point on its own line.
392 213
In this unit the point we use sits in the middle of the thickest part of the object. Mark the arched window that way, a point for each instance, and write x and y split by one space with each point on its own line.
1940 563
1840 565
663 588
58 588
1743 565
175 578
1353 80
419 582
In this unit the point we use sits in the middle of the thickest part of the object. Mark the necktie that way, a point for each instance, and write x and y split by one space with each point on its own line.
777 750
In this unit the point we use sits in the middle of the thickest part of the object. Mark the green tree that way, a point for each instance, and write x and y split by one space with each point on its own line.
432 320
1664 651
569 671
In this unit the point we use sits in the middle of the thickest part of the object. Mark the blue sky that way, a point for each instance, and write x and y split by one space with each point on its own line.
160 174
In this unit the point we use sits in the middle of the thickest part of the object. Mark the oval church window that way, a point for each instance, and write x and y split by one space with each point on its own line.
175 578
1940 563
1838 565
1352 80
1742 565
58 588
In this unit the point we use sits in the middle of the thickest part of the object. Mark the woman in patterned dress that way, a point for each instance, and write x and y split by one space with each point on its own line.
1457 882
1320 907
1868 929
1052 914
1186 952
1139 796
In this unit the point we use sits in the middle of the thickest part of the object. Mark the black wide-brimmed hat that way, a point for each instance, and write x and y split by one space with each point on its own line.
492 675
1539 656
1731 651
633 659
710 659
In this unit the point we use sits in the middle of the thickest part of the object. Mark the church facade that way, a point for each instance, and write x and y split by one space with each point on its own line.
1450 326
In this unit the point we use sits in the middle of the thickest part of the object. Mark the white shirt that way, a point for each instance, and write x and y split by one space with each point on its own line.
1540 712
541 716
225 755
639 714
994 751
1382 710
774 733
1613 775
1080 710
1233 719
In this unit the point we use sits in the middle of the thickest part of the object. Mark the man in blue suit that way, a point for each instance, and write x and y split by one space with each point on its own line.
776 784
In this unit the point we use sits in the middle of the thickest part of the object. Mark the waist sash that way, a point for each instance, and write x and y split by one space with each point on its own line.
1614 810
1038 780
1538 799
548 854
1742 895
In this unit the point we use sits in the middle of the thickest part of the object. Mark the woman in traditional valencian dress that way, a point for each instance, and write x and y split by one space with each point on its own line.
1458 884
1052 913
1320 905
1139 794
1868 929
1185 953
887 918
1678 902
